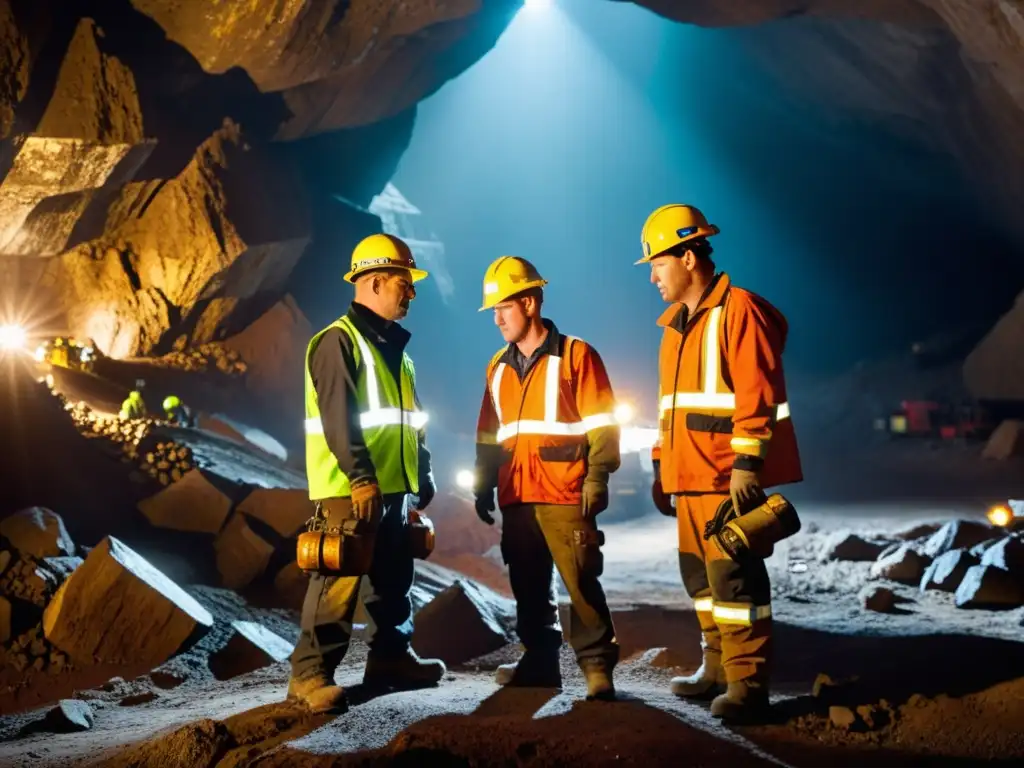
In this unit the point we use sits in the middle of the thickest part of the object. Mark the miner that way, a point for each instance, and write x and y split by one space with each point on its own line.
724 433
365 456
547 441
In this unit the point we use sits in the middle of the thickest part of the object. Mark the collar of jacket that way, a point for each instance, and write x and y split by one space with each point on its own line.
676 316
552 345
376 327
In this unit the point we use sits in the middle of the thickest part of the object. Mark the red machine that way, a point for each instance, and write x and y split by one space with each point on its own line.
928 418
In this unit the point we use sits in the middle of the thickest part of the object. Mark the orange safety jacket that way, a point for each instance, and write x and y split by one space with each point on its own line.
722 393
543 430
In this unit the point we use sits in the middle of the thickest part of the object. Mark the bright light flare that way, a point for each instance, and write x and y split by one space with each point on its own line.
1000 516
538 4
624 413
464 479
12 337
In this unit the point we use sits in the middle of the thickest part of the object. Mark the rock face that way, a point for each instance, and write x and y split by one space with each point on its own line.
995 368
37 532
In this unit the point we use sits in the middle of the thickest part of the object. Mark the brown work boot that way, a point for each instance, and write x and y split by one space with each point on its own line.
533 670
319 694
743 701
406 670
708 680
598 674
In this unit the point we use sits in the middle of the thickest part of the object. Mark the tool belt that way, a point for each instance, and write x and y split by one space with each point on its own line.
344 550
753 534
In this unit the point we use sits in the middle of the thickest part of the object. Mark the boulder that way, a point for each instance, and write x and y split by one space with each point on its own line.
192 504
242 555
880 599
69 716
1007 441
117 608
906 565
37 532
251 647
61 567
850 546
290 585
956 534
463 622
985 586
1008 554
948 570
286 510
917 531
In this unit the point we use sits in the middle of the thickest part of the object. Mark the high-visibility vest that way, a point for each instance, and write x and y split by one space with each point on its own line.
390 421
541 425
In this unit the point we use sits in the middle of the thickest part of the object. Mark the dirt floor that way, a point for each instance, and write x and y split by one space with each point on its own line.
927 684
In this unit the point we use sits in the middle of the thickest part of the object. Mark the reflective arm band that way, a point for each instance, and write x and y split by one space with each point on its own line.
382 417
486 438
740 614
314 426
750 446
704 605
598 421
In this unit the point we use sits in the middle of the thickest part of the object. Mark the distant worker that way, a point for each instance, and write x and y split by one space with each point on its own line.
547 440
177 412
133 407
365 453
725 433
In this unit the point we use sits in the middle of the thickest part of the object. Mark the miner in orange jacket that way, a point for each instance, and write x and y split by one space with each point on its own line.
547 440
725 433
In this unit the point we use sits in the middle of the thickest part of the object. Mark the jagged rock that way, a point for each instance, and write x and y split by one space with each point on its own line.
61 567
431 580
165 680
5 620
251 647
117 608
850 546
659 658
905 565
880 599
1006 441
241 553
994 370
192 504
918 531
286 510
69 716
37 532
986 586
956 534
482 617
947 571
979 549
1007 554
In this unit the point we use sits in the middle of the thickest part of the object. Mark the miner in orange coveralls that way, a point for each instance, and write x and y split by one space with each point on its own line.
724 433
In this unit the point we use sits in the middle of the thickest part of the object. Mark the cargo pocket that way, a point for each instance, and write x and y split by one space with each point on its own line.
586 545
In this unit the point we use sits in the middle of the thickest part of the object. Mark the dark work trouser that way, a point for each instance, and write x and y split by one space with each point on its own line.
732 600
326 624
536 539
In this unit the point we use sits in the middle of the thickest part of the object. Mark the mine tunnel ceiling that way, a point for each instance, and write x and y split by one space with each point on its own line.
165 163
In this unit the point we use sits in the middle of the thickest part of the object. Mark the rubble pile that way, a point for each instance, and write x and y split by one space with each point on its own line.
165 462
204 358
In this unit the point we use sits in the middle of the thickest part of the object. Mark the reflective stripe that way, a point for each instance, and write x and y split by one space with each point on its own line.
749 446
382 417
486 438
740 614
703 604
724 401
550 425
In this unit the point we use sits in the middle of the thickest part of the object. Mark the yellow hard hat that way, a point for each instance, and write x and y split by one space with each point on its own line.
379 252
671 225
507 276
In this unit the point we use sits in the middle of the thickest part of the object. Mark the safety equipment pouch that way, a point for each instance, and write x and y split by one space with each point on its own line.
421 536
342 551
755 533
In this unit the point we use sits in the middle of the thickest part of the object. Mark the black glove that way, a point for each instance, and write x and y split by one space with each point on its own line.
427 490
662 501
595 498
485 505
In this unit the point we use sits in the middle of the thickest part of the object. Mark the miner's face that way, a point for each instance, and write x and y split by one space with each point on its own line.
513 318
396 291
673 275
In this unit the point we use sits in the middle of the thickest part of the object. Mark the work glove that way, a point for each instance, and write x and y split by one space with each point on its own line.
427 490
485 505
745 490
662 501
367 502
595 498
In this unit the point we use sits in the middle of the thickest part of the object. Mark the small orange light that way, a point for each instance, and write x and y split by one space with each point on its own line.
1000 516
